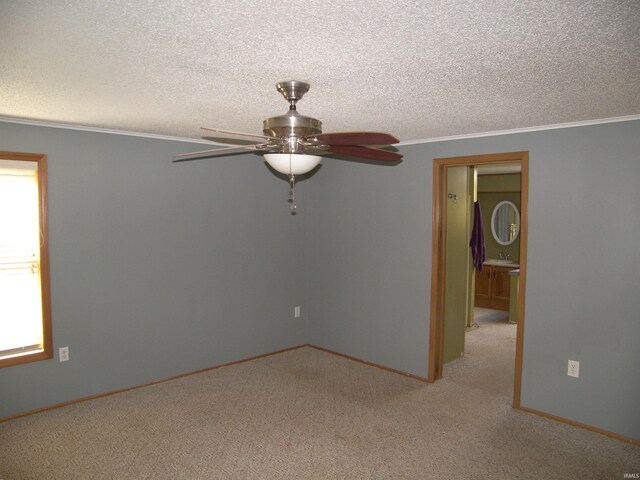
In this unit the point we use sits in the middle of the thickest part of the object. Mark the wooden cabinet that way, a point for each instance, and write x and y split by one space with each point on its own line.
492 287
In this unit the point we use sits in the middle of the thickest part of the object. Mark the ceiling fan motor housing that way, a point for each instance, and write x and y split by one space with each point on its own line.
292 127
291 124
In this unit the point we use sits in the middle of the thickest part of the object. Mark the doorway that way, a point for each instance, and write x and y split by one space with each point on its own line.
437 331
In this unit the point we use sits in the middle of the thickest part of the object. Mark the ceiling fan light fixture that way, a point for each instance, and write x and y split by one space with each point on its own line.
292 163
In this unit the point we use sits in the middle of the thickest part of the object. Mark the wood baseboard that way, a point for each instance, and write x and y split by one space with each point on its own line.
579 425
348 357
326 350
175 377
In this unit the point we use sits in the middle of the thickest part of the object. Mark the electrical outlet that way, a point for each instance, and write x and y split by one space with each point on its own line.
573 368
63 354
296 312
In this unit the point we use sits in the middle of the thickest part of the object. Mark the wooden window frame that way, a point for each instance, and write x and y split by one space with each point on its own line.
45 291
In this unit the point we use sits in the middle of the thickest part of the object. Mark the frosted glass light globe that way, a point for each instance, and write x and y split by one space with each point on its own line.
292 163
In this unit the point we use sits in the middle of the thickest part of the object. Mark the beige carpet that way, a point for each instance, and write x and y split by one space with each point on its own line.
309 414
487 315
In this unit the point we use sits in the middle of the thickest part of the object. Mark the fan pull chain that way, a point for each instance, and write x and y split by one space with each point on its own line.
292 194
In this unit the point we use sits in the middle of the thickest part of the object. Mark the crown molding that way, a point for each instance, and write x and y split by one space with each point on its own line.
465 136
68 126
555 126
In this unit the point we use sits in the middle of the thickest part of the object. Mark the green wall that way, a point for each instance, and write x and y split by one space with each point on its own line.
493 189
457 262
499 183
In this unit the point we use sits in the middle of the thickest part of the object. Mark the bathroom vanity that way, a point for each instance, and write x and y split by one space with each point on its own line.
492 288
492 285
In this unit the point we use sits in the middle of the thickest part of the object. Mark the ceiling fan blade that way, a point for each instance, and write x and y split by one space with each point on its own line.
232 132
365 152
181 157
356 138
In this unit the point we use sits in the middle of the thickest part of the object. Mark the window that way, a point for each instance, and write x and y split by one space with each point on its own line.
25 313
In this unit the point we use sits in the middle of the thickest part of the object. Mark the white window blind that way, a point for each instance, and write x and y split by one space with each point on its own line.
21 328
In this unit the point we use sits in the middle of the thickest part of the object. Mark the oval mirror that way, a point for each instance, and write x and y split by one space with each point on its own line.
505 223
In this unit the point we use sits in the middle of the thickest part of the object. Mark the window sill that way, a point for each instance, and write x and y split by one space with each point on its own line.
25 358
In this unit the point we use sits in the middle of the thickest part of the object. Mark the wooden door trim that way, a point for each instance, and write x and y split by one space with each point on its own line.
438 257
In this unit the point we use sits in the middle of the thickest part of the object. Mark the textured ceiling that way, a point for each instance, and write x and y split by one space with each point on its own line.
419 69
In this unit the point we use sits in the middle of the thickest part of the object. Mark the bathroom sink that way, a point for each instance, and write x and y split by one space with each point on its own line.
506 263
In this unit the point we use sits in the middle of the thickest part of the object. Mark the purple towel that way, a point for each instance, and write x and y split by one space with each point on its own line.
477 238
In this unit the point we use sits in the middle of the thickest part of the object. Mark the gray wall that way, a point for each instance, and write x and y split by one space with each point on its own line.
160 269
370 263
157 269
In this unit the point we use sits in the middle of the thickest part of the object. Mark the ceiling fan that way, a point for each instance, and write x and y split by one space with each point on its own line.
293 144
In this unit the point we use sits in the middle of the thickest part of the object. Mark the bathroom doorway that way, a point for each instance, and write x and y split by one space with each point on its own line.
452 206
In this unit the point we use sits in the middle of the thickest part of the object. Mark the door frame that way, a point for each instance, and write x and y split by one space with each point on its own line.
438 257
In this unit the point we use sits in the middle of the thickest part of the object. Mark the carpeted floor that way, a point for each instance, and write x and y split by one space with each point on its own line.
487 315
307 414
